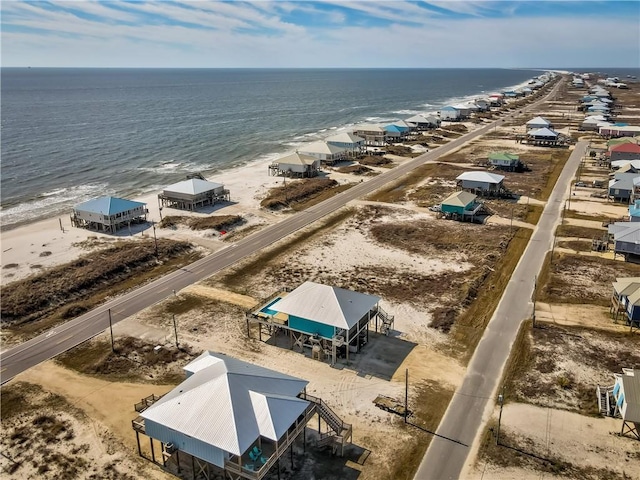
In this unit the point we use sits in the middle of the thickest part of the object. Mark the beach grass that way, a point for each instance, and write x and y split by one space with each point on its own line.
55 295
296 191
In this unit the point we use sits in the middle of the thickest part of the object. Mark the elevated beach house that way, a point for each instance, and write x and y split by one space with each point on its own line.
350 142
481 183
543 137
107 214
623 400
538 122
423 122
395 133
626 240
295 165
505 161
626 292
614 131
450 114
192 194
461 206
622 186
624 151
331 321
231 418
374 135
325 152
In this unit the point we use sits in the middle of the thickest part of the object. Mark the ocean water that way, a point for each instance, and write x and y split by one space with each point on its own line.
69 135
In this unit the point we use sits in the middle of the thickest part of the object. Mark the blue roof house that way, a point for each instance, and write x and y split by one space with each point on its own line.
107 214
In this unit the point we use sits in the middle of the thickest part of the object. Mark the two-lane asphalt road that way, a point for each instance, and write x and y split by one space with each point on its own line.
463 419
74 332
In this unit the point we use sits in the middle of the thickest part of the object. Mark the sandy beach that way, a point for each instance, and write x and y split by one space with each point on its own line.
30 248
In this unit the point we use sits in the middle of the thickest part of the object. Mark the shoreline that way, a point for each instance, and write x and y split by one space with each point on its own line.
67 197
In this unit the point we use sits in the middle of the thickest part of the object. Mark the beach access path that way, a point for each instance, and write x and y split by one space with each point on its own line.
474 400
66 336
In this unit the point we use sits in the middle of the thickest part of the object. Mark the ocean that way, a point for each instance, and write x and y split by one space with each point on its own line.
69 135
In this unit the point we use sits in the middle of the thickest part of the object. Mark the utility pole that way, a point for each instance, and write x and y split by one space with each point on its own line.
501 402
175 329
406 394
113 347
533 299
155 239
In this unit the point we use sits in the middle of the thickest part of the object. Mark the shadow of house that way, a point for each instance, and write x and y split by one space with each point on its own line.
383 357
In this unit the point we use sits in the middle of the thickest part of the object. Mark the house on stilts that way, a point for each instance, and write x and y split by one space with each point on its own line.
623 400
333 322
234 419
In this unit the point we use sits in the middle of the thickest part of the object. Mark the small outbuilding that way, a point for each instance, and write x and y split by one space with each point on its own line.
107 214
192 194
481 183
295 165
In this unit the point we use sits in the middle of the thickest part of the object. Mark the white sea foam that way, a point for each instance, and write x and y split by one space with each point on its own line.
50 202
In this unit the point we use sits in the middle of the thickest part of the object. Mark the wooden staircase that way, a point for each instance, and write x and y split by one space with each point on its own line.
341 432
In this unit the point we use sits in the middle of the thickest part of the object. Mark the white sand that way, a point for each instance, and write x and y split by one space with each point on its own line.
23 246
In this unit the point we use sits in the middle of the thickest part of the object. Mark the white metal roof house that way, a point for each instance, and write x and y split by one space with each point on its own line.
192 193
481 182
543 137
296 165
539 122
230 415
350 142
325 152
450 113
108 213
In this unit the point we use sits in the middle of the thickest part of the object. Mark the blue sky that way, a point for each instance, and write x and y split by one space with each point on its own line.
323 33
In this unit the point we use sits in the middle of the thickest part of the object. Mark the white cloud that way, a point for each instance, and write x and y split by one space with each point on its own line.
69 40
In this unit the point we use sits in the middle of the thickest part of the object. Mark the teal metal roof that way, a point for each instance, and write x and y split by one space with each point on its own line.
503 156
108 205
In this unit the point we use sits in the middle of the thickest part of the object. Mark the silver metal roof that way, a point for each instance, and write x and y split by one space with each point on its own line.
193 186
228 403
481 176
321 147
327 305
